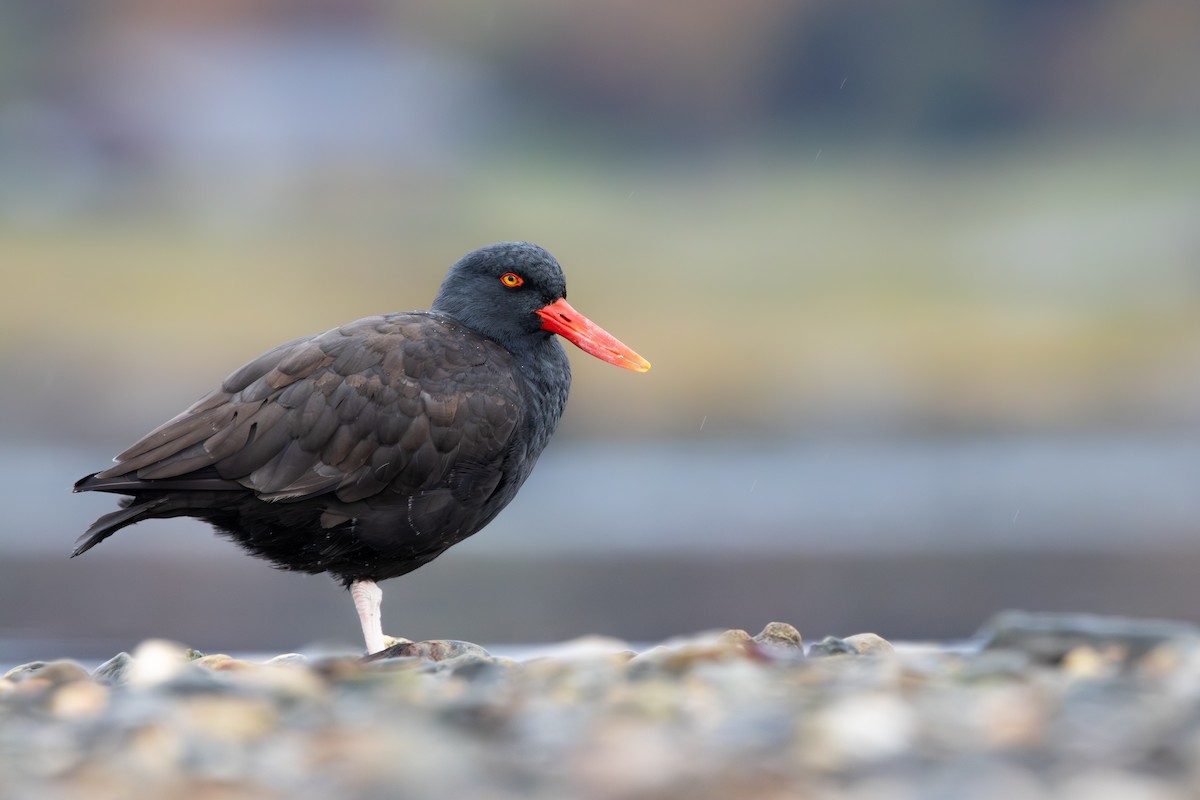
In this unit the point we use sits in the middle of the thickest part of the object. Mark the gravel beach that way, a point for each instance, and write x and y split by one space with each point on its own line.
1037 706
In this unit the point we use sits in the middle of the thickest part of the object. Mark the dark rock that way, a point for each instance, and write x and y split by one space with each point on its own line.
432 650
860 644
832 646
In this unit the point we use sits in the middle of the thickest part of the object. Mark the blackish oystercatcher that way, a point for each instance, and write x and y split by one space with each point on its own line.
368 450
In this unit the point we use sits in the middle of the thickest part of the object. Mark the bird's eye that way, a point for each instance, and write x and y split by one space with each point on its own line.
511 280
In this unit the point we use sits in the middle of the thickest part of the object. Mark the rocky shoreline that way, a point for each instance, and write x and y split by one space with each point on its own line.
1038 706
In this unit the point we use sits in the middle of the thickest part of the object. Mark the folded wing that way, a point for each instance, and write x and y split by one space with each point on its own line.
400 404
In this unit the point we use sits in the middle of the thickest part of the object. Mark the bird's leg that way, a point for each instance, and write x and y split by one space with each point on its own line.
367 598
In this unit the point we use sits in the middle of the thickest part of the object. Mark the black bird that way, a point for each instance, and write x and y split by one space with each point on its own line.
368 450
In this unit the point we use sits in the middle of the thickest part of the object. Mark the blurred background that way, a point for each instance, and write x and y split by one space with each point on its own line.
920 283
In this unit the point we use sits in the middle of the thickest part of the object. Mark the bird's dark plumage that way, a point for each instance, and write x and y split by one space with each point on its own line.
368 450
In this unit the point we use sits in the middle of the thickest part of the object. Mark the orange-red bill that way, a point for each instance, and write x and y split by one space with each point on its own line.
558 317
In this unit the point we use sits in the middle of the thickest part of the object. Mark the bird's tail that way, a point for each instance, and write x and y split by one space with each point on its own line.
150 499
135 510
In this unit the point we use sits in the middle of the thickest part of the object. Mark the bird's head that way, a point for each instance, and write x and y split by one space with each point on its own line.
514 292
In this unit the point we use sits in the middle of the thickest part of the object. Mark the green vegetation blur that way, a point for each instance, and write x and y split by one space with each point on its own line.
812 218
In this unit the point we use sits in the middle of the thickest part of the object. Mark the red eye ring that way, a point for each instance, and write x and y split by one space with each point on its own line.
511 279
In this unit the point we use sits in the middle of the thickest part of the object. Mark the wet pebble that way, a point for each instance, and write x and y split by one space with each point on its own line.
712 715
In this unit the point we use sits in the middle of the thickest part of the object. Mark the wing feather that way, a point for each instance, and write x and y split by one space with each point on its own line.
395 404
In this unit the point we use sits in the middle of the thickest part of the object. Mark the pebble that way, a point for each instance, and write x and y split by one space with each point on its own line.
1046 706
780 634
44 673
870 644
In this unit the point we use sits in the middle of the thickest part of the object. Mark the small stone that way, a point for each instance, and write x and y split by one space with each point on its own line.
832 646
24 671
216 661
682 653
51 673
220 662
780 634
736 636
870 644
288 660
115 670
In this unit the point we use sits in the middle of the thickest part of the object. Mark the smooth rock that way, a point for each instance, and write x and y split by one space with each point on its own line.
51 673
780 634
115 670
288 660
870 644
737 637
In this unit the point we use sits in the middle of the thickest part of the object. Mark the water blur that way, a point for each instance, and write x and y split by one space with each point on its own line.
919 288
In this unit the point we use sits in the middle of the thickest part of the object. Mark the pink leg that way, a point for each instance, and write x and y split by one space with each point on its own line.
367 597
